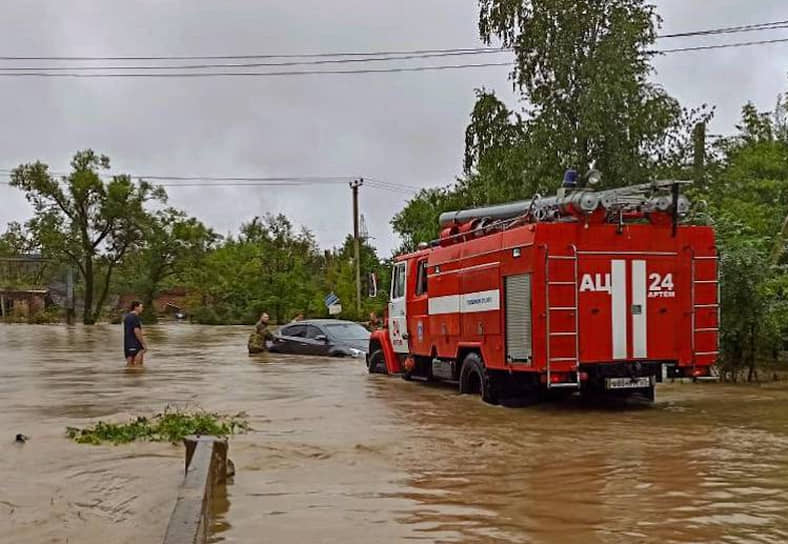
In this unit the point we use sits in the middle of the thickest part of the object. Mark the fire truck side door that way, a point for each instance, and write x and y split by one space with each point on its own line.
398 326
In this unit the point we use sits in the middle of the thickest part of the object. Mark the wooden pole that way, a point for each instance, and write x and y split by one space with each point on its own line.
354 185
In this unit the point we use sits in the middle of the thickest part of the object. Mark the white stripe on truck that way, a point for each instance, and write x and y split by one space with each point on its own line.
639 334
619 308
444 305
479 301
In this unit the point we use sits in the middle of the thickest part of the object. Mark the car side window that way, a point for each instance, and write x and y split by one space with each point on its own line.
313 332
294 330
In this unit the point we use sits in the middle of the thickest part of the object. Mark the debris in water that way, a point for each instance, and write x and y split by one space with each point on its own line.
169 426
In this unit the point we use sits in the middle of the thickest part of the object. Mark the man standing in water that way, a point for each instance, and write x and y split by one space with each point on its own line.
134 345
261 335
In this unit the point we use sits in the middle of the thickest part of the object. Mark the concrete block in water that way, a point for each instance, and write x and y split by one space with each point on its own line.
206 469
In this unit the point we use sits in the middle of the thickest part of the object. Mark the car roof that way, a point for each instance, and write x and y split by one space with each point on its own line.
322 322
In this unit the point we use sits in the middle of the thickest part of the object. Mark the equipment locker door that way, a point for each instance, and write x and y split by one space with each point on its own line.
398 324
665 326
629 307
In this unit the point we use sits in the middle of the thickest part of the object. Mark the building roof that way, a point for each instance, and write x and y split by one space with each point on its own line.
12 291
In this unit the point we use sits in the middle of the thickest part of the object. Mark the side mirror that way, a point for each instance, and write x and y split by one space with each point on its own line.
321 338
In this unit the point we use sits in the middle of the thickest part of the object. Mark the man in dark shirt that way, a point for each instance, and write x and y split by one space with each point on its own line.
134 346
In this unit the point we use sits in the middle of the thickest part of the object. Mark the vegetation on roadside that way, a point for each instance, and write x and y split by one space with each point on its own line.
169 426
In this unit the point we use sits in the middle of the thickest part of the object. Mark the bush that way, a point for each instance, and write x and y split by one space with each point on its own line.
50 315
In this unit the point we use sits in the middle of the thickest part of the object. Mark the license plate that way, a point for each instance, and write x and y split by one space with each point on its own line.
628 383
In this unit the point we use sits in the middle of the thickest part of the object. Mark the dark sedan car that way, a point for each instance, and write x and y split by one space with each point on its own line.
330 337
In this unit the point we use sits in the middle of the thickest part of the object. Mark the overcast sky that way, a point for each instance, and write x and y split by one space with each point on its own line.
405 128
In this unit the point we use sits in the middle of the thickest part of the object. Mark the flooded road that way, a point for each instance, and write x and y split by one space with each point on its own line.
336 455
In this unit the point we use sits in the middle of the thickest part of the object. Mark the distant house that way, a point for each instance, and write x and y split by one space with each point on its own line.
22 302
168 300
23 290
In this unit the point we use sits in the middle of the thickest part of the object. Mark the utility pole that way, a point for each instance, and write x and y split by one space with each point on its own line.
699 154
354 185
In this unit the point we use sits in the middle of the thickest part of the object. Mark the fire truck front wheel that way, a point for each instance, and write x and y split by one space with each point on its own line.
376 363
475 378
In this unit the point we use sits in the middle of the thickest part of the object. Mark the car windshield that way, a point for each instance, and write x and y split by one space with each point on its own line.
347 331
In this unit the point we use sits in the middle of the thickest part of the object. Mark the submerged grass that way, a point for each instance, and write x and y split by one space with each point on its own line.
170 426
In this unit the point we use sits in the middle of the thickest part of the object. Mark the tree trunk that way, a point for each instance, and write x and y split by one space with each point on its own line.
147 305
87 311
752 373
104 292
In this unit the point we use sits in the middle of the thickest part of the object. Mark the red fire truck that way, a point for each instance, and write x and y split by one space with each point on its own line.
601 292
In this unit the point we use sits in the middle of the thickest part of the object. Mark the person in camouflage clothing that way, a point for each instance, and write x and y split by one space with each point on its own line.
261 335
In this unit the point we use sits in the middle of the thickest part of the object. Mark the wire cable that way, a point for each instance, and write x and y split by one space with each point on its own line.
776 25
257 64
439 67
77 75
229 181
720 46
422 53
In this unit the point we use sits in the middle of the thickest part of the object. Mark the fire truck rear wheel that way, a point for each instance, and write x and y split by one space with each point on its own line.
376 364
475 378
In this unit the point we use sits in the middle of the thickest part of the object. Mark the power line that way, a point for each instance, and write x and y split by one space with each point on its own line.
410 53
457 50
377 58
720 46
254 74
264 179
225 182
439 67
776 25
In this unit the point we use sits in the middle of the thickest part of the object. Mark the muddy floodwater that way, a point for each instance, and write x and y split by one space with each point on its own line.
336 455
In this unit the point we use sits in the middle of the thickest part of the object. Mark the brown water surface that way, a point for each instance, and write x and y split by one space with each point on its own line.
337 455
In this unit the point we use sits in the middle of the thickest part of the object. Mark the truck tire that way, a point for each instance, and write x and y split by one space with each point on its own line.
376 363
475 378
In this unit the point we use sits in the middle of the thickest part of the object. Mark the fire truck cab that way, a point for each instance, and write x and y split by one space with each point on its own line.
598 292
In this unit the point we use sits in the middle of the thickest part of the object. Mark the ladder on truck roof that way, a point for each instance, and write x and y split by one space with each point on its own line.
575 333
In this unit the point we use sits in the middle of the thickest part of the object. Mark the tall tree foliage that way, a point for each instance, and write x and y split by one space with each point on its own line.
270 267
582 67
748 196
174 244
14 241
582 72
85 220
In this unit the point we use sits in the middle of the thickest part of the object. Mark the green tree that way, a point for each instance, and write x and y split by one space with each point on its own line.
418 221
85 220
583 68
748 197
270 267
14 241
174 243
